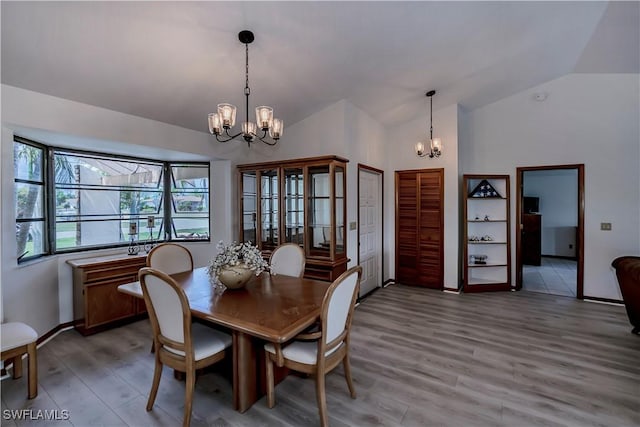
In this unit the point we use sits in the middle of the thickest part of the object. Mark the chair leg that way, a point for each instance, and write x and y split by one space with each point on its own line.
322 400
270 386
188 396
347 374
33 371
17 367
157 373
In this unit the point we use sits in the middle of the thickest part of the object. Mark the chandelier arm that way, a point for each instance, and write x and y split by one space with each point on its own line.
266 141
229 137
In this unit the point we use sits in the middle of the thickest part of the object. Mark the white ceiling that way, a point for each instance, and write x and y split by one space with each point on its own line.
174 61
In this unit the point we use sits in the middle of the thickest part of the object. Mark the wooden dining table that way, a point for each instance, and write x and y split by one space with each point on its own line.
270 308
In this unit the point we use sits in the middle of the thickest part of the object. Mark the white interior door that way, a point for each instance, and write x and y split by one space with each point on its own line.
370 229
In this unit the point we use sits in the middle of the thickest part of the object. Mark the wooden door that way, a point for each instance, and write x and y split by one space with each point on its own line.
419 228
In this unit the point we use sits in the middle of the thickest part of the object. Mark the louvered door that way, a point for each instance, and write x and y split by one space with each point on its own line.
419 228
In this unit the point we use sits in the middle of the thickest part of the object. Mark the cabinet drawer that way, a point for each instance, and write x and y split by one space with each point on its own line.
123 271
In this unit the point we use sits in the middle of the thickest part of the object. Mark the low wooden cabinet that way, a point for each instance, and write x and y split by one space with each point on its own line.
97 304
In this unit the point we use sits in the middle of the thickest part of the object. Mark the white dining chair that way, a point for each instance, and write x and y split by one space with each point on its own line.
17 340
288 259
170 258
179 343
317 353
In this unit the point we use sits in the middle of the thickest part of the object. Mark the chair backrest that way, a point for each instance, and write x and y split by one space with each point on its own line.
288 259
170 258
337 307
168 309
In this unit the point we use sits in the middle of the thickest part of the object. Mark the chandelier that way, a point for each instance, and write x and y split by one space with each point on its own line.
224 119
435 144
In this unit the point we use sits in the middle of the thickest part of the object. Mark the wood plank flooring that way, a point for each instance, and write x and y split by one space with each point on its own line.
419 357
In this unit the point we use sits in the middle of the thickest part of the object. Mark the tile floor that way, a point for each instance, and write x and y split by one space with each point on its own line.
556 276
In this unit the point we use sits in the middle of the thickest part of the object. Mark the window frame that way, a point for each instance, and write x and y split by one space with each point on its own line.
46 250
49 205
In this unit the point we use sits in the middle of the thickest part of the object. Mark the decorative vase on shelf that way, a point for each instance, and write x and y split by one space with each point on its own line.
235 276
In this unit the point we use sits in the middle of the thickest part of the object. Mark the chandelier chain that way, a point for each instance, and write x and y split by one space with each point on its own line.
431 118
247 90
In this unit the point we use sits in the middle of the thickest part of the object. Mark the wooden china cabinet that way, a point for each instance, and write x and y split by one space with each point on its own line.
299 201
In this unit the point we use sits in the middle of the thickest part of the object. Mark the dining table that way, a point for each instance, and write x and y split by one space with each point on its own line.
269 308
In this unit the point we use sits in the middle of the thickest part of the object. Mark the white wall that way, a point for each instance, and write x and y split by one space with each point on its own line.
400 154
39 292
558 196
587 118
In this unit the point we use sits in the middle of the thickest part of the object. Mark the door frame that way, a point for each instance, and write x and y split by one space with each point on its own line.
579 233
380 172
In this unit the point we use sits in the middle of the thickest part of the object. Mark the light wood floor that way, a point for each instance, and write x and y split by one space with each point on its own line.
419 357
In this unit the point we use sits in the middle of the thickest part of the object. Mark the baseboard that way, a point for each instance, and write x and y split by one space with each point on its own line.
53 332
388 282
456 291
603 300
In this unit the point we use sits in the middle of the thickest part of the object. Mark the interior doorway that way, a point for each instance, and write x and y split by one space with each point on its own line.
370 220
550 237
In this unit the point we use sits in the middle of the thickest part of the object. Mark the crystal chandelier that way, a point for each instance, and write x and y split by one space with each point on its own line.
224 119
435 144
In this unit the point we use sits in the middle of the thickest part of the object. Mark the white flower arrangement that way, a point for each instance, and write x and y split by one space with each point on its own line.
235 254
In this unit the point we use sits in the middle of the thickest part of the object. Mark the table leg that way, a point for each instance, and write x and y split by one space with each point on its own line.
244 372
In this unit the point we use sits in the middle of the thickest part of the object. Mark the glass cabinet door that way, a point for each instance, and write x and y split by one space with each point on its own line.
319 215
294 206
340 191
269 209
249 206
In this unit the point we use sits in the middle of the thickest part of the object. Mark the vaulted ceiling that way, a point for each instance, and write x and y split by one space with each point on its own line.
175 61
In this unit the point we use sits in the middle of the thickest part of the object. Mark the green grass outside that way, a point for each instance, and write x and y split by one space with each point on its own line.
70 242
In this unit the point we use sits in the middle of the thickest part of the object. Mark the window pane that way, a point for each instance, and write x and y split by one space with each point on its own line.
28 161
87 170
29 201
190 228
190 201
31 239
73 234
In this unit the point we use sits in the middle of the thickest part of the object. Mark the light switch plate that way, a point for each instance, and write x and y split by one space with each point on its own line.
606 226
352 225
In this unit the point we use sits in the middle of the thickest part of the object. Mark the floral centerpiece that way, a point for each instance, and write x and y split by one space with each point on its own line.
235 263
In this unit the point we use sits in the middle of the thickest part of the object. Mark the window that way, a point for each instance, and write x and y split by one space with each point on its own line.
29 187
189 202
97 198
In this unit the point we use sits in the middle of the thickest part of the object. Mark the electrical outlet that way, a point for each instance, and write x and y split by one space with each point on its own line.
352 225
605 226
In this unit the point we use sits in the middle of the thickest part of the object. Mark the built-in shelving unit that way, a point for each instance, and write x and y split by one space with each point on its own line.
487 246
